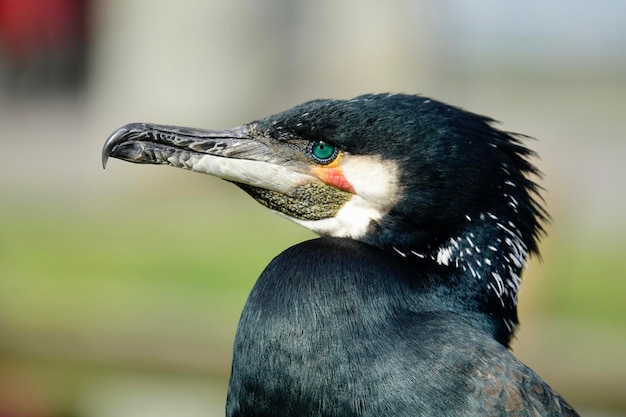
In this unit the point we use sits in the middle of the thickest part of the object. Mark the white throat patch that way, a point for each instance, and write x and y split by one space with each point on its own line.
376 186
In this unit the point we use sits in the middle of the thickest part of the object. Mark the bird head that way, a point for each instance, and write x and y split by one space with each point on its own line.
394 171
430 182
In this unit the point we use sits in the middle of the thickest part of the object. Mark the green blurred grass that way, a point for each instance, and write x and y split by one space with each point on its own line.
138 269
586 282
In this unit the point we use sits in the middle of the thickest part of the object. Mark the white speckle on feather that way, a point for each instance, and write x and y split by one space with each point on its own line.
399 252
444 255
503 268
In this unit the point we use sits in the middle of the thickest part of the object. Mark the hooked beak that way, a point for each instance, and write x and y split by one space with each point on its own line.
235 155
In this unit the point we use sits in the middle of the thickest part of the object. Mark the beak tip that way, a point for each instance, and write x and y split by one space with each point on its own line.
117 137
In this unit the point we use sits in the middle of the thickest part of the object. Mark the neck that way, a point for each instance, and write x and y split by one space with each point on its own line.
484 263
326 311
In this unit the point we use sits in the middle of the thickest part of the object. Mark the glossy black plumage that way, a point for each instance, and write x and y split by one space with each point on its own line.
392 347
413 315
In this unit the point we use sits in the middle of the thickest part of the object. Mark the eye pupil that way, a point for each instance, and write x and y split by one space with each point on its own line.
322 152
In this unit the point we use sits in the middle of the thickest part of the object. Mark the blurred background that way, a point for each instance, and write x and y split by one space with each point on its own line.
120 290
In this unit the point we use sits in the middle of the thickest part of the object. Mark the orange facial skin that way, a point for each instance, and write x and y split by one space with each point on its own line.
332 175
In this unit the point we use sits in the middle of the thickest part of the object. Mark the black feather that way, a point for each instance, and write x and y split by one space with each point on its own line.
397 346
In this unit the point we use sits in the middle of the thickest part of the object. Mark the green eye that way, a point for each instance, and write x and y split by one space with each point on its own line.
323 153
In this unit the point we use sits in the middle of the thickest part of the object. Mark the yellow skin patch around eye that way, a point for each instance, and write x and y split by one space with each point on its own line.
332 174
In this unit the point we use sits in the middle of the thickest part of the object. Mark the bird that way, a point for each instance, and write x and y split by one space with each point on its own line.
406 303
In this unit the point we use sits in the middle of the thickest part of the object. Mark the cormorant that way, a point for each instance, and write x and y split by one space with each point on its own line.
407 303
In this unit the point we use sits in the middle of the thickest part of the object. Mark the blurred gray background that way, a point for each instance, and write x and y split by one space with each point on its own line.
120 290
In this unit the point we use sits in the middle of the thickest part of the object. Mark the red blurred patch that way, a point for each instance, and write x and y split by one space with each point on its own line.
28 27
